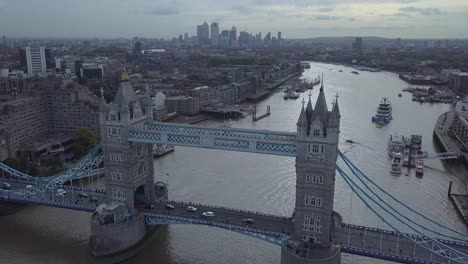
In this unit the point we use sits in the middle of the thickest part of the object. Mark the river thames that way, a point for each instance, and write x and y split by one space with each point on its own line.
261 182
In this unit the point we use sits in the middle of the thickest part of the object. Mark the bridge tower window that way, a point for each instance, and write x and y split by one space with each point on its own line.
115 157
312 200
320 180
307 178
117 176
316 132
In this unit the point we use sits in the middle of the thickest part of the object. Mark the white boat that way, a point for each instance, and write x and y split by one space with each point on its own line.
291 95
383 114
396 163
419 167
396 144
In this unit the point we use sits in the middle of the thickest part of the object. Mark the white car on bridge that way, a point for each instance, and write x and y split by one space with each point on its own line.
191 209
208 214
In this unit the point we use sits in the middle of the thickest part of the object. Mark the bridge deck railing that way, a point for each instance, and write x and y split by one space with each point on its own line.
216 224
227 208
344 225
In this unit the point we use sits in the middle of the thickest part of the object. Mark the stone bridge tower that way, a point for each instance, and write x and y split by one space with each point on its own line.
316 148
116 225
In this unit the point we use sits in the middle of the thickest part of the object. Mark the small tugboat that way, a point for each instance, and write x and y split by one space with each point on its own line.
350 141
396 163
419 167
355 72
399 95
383 114
340 70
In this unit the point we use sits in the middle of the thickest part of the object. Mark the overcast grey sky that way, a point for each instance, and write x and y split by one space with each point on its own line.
295 18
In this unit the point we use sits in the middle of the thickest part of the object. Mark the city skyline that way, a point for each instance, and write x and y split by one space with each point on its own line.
296 19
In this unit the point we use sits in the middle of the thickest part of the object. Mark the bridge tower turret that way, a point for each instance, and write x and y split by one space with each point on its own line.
316 154
129 171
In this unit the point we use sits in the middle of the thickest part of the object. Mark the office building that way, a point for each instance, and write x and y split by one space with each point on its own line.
458 82
357 45
214 34
203 34
90 70
35 59
224 38
48 116
233 37
244 39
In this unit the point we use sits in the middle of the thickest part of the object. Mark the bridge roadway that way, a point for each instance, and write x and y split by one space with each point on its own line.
262 222
365 241
384 244
71 200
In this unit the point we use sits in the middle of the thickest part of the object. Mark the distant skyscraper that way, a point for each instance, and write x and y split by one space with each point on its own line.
357 45
186 37
137 48
279 36
268 39
35 59
233 37
214 34
206 33
224 38
180 39
244 39
199 34
4 41
203 34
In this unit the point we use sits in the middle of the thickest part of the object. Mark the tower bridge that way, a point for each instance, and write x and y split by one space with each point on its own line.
314 233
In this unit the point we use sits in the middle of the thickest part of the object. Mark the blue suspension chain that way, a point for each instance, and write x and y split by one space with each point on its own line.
398 201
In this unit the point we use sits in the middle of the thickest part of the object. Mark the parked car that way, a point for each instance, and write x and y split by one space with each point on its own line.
6 186
170 206
62 191
83 195
61 195
93 199
248 221
208 214
149 206
28 187
191 209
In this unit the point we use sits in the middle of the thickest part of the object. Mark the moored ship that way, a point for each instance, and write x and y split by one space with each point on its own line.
383 114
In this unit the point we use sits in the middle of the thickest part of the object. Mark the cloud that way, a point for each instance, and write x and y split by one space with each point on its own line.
326 17
243 10
326 9
164 11
421 11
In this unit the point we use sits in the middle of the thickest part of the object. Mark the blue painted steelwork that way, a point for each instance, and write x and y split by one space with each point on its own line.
30 200
354 168
429 244
222 132
271 237
87 165
224 139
